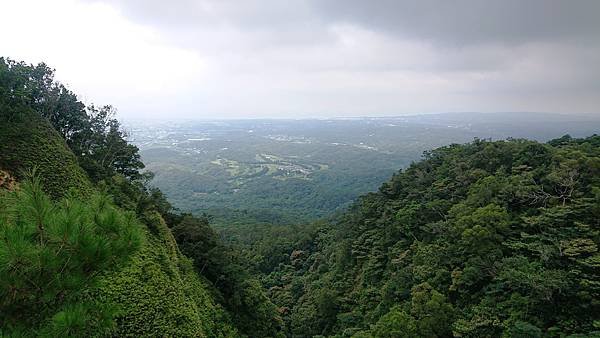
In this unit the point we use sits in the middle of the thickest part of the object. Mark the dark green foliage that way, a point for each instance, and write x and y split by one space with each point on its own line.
29 142
486 239
22 87
251 309
93 134
102 148
394 324
51 251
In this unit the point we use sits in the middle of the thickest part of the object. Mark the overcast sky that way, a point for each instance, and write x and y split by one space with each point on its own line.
314 58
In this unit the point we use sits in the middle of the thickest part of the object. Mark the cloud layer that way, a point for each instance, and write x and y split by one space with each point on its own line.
224 58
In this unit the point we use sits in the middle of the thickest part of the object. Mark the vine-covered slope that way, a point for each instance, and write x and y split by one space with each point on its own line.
29 141
150 289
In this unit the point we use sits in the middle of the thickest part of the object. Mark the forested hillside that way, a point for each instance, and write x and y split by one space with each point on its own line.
487 239
87 248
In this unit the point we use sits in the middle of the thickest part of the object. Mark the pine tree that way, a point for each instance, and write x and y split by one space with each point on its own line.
50 252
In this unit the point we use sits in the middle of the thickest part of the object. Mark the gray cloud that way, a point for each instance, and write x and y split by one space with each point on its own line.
465 22
338 57
460 22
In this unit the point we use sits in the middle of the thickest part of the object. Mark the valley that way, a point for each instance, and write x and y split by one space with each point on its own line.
295 171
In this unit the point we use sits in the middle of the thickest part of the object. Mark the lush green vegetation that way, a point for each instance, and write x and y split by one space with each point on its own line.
50 252
159 294
242 294
31 142
486 239
86 246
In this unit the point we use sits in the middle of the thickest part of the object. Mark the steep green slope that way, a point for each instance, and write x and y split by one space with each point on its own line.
154 292
28 141
159 293
487 239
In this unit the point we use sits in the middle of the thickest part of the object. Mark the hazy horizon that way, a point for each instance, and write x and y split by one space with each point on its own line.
507 115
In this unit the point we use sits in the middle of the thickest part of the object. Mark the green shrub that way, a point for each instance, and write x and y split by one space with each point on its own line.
50 252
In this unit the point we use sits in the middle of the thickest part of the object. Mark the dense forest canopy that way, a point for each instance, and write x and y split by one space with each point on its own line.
484 239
